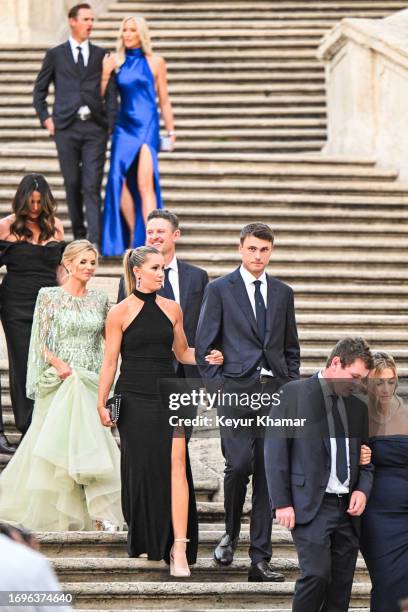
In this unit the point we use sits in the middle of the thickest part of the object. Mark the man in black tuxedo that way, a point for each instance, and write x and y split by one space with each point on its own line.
316 485
80 119
250 317
183 282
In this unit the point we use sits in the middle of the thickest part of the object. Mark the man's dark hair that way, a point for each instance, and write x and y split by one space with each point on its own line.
259 230
73 12
349 349
164 213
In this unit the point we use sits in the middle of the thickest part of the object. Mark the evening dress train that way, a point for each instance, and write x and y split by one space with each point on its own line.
146 436
66 472
137 123
384 535
29 268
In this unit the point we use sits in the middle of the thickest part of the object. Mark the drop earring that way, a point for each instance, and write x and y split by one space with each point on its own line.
138 283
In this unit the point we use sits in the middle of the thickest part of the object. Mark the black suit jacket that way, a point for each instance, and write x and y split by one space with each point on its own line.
192 283
72 89
298 463
227 322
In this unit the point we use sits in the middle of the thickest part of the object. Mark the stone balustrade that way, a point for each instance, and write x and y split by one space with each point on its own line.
38 22
366 62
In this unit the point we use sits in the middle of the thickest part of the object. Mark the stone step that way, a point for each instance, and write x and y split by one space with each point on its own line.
205 570
302 36
193 596
257 5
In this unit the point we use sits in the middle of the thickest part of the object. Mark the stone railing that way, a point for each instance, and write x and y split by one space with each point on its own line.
37 22
366 64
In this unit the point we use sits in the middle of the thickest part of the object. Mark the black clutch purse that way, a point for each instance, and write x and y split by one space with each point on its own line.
113 407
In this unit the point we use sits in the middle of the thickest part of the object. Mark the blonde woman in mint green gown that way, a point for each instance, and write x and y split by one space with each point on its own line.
65 474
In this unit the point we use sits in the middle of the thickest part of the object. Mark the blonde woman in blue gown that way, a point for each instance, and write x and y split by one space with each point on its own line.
65 474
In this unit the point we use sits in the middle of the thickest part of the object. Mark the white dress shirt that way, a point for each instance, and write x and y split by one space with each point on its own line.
249 280
334 485
85 54
174 278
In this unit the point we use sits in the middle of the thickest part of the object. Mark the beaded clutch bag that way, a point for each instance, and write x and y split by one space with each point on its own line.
113 407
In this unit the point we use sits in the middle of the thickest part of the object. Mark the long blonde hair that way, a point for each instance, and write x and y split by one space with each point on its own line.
135 258
76 248
382 361
143 30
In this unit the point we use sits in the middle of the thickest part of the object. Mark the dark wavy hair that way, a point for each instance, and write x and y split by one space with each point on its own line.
21 208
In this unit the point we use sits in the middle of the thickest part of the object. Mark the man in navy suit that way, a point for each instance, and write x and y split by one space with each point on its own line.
80 118
316 485
250 317
183 282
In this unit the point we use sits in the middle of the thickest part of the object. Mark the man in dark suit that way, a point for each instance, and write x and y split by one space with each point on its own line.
80 119
183 282
316 485
250 317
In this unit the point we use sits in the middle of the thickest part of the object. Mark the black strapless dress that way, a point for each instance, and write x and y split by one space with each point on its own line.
384 525
29 268
146 436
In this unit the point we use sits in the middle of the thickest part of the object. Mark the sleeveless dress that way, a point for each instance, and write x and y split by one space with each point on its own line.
146 436
384 535
65 473
137 123
29 268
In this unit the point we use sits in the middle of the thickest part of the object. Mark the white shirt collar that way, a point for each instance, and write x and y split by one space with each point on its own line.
326 388
75 44
173 264
249 278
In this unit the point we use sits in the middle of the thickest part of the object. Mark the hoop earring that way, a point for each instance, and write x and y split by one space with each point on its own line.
138 283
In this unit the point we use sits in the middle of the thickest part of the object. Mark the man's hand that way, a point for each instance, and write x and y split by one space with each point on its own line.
285 517
365 455
49 125
358 502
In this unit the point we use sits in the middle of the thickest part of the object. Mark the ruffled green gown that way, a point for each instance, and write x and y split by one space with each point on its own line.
66 471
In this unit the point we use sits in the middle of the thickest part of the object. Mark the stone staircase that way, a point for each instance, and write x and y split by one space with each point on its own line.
249 100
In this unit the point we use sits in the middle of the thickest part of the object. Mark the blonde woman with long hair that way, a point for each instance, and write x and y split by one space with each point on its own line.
133 188
384 535
65 474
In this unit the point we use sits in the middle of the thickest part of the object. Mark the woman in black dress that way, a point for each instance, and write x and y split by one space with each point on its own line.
384 535
31 248
158 499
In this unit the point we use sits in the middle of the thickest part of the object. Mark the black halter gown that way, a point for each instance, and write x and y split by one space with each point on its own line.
146 436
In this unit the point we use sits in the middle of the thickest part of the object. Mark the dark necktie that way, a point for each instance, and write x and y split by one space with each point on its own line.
341 454
168 289
80 60
260 310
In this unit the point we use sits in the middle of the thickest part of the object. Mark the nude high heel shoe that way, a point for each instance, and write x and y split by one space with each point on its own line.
178 571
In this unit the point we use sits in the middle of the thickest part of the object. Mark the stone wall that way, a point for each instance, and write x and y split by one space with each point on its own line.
38 22
367 87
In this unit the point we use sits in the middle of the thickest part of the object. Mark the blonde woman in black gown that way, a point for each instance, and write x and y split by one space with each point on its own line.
31 246
158 499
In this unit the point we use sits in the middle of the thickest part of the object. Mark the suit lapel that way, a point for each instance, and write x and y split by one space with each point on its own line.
70 59
270 307
184 278
240 294
316 400
90 60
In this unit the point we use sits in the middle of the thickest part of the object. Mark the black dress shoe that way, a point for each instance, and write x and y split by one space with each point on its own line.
5 446
224 552
261 572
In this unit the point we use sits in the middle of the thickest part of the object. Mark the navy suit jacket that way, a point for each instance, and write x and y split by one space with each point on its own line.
192 283
227 322
73 89
298 463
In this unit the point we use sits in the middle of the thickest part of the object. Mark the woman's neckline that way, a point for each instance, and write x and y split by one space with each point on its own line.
33 243
76 297
145 297
136 51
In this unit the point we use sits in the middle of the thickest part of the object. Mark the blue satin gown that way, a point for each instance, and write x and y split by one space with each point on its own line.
137 123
